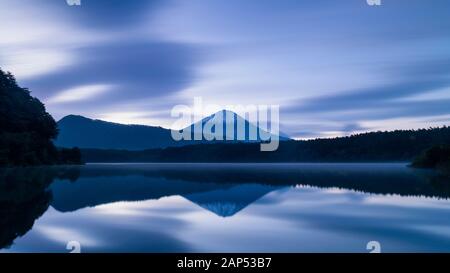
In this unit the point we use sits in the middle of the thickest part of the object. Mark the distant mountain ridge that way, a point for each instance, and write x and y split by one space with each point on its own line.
85 133
79 131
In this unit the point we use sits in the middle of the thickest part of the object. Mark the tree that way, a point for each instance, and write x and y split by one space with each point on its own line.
26 129
437 157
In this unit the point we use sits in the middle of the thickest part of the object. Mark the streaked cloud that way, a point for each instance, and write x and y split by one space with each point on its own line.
29 63
335 68
128 117
80 93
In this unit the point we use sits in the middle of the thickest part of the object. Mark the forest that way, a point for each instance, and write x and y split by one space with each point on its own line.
27 131
436 157
394 146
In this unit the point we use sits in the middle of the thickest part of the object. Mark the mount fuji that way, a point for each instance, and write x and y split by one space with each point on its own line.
86 133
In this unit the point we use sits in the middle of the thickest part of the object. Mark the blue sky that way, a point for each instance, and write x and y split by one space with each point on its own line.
334 67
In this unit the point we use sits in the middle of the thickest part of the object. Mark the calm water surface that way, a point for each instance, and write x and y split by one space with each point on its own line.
224 208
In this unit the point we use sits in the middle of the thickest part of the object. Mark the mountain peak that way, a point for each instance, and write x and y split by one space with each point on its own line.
233 127
73 117
225 112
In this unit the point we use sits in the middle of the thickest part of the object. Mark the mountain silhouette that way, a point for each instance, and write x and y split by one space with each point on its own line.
85 133
232 127
227 202
91 192
226 189
78 131
224 200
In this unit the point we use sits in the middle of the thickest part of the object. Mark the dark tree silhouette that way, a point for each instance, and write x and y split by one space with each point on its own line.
25 196
70 156
437 157
26 129
395 146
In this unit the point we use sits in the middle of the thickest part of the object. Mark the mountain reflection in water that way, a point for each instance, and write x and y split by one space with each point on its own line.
222 189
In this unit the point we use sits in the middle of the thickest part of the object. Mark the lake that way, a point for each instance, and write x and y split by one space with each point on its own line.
224 208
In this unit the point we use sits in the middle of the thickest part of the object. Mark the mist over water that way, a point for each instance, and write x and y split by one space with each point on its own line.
224 208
